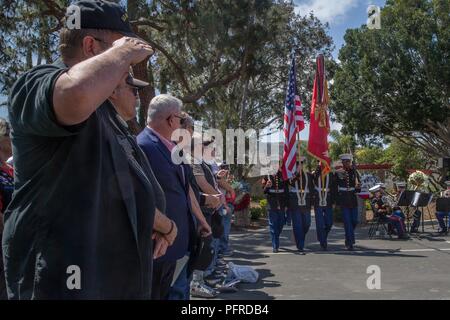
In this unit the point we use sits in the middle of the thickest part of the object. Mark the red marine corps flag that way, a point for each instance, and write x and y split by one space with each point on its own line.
320 122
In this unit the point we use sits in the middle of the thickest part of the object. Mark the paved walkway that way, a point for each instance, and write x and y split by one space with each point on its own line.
415 269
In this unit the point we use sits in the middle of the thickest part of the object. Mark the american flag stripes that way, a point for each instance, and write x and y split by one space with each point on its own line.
299 114
293 123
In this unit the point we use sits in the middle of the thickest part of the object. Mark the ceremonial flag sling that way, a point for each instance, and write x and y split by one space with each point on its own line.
320 122
320 125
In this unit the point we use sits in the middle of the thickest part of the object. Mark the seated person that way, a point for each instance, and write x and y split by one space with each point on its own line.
395 220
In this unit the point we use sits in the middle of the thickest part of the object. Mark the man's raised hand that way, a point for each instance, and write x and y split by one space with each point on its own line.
135 50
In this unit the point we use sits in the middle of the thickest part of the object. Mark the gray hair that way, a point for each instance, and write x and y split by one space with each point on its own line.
188 122
4 128
162 106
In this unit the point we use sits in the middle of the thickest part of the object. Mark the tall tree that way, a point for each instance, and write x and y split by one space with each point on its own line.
27 37
341 143
395 81
200 45
403 158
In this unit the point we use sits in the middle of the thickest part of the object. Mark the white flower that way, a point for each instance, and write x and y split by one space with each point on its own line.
418 179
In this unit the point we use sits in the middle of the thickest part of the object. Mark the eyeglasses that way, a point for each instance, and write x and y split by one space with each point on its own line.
101 40
182 119
135 90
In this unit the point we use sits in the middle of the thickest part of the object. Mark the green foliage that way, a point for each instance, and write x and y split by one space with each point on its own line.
395 80
256 213
27 37
369 155
403 157
254 100
340 143
263 203
367 205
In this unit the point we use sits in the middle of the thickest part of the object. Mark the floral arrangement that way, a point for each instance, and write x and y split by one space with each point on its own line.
418 179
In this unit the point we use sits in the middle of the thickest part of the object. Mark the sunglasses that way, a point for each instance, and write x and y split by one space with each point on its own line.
100 40
135 90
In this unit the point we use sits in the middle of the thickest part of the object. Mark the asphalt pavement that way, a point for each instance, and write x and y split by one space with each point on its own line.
418 268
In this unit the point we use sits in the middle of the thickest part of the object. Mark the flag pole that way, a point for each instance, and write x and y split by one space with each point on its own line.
298 139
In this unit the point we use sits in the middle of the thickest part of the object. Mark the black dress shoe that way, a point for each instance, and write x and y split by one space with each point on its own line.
324 247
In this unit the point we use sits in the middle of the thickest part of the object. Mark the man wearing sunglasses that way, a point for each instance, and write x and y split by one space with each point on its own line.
125 96
124 99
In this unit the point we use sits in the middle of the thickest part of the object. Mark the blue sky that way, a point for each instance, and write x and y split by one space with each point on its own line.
341 15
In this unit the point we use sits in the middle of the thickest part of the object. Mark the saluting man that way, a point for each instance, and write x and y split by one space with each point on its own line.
299 204
348 184
275 191
324 200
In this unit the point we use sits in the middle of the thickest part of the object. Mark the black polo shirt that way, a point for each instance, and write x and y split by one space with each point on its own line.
78 201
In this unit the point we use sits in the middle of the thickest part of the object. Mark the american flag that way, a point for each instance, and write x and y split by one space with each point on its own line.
293 123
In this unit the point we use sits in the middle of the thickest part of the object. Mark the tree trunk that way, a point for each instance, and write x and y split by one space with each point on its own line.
244 102
141 72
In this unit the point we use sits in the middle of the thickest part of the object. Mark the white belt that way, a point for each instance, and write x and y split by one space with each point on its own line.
346 189
319 189
298 191
276 191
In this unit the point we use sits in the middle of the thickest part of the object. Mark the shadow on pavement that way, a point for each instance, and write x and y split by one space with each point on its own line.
250 291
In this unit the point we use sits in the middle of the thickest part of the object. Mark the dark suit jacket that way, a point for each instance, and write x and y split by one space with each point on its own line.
175 184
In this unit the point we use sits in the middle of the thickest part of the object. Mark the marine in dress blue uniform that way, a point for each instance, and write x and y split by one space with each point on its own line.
324 198
346 179
275 190
299 204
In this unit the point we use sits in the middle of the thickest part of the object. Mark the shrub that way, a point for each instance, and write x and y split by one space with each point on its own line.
263 203
256 213
367 204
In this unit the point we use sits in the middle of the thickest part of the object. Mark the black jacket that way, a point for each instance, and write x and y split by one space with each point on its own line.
331 191
308 188
346 184
80 206
277 194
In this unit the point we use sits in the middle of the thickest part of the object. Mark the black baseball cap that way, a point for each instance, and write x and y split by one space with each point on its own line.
106 15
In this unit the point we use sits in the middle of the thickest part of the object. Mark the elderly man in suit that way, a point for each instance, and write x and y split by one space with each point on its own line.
164 118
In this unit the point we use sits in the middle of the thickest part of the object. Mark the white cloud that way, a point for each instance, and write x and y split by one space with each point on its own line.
326 10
